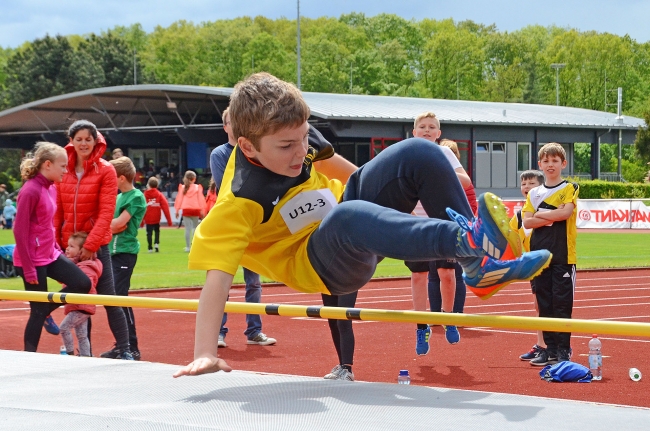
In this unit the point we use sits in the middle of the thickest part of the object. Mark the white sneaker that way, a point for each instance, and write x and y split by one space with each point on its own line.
261 339
222 341
334 374
346 375
186 249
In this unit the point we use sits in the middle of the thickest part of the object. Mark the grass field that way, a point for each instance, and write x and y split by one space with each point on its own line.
169 267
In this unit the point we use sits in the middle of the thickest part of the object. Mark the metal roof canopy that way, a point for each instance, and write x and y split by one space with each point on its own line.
185 113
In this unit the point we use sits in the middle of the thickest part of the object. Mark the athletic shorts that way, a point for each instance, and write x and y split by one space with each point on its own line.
430 265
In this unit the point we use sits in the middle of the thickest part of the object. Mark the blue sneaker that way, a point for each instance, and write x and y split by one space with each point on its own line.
490 230
51 326
495 274
422 341
451 334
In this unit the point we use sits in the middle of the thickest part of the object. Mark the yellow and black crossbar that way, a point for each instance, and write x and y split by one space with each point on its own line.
368 314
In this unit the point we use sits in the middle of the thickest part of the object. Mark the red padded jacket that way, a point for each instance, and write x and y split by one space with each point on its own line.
87 204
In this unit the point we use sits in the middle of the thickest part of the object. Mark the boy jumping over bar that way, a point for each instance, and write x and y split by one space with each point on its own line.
281 216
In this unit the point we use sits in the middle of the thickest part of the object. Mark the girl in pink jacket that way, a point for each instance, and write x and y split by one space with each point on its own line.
37 254
77 315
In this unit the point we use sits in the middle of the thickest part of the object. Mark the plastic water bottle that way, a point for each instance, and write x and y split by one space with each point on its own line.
404 378
63 351
595 358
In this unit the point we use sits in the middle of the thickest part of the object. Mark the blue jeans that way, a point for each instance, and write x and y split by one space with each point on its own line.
253 294
374 219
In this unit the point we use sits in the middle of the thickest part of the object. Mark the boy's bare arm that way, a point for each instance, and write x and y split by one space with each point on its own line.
559 214
336 167
208 323
464 179
119 224
531 222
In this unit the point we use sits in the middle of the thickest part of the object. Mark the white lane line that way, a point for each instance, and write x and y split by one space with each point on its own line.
586 337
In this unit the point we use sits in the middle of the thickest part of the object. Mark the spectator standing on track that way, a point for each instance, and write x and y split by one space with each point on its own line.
117 153
253 294
85 203
77 315
529 180
434 291
37 254
550 211
427 126
156 203
190 203
278 215
124 246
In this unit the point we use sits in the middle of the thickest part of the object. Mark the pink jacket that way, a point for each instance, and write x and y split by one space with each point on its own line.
193 200
93 269
33 229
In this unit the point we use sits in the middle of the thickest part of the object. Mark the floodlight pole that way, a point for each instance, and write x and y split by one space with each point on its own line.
298 51
557 67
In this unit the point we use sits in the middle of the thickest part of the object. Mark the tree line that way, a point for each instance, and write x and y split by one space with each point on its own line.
379 55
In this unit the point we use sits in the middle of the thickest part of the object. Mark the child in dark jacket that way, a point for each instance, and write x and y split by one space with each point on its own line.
155 203
77 315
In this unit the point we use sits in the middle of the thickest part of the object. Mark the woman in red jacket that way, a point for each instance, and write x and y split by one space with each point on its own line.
85 203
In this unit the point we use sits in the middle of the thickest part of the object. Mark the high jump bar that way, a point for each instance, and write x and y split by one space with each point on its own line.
368 314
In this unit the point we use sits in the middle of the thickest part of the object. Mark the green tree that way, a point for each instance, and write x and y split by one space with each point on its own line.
453 61
36 72
112 55
642 140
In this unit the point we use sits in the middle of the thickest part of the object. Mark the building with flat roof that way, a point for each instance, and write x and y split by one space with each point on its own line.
178 125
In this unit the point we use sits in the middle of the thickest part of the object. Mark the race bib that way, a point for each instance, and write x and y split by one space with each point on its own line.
306 208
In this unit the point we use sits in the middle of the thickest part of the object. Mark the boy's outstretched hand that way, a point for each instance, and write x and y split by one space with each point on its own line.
204 365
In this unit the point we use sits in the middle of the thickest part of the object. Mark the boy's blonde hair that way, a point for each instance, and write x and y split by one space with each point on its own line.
124 167
43 151
427 114
550 150
225 114
153 182
262 104
451 145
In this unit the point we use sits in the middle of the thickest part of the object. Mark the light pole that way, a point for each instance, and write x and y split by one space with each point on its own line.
557 67
298 40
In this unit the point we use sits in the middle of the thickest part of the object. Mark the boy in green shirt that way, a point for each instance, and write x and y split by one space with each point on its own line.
124 247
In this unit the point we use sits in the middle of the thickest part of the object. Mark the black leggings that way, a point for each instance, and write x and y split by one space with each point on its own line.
342 334
63 271
106 286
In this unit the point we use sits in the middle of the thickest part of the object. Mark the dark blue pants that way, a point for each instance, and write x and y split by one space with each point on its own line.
374 219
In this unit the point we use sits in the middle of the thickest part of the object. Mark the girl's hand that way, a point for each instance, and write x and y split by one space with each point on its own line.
85 255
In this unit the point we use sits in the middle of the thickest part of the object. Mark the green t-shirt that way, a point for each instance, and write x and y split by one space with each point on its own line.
127 241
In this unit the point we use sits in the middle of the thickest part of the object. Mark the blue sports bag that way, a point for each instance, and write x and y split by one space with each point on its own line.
566 371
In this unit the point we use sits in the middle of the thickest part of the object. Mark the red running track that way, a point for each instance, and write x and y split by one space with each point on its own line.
484 360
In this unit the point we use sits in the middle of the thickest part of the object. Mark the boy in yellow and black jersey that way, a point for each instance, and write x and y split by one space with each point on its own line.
283 212
529 180
550 210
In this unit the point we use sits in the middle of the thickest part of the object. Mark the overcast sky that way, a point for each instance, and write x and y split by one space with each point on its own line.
26 20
